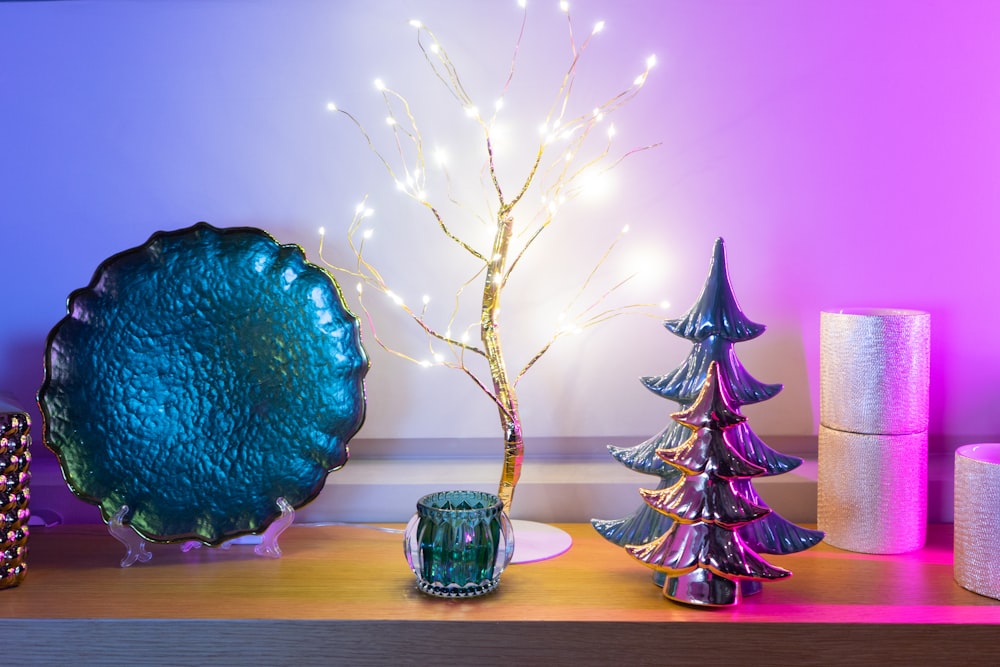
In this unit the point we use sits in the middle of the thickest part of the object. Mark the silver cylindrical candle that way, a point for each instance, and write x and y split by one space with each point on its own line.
873 491
977 518
874 400
874 370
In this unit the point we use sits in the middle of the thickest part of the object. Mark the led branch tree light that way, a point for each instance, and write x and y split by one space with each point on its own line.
570 150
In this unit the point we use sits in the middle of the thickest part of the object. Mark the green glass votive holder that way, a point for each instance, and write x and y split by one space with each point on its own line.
458 543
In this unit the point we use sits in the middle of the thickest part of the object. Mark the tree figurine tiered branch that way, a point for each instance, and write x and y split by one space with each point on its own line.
703 528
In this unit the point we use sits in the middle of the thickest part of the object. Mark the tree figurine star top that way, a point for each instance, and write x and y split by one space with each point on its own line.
703 528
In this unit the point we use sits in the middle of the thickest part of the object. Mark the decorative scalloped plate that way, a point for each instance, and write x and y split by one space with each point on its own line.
200 377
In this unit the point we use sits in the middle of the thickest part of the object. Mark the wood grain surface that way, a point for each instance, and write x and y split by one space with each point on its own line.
344 595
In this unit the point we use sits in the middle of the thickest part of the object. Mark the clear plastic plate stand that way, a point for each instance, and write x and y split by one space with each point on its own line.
266 545
135 546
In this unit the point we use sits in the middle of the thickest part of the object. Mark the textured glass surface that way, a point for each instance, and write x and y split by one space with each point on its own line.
458 543
200 377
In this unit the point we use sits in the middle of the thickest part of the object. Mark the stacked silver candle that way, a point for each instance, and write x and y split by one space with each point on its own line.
874 397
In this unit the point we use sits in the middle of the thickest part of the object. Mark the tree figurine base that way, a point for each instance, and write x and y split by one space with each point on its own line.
266 544
704 588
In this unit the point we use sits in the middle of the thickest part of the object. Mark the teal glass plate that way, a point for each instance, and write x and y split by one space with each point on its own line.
199 378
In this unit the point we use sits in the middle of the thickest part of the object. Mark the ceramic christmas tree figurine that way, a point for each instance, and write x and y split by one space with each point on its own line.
711 373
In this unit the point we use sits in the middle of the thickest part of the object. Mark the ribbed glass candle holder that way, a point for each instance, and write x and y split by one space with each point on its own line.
458 543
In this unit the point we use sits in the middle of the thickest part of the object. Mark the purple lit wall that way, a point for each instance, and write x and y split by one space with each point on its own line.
848 152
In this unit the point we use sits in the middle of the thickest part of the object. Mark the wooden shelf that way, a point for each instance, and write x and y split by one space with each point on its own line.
344 595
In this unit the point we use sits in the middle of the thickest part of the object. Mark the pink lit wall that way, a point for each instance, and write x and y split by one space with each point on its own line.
848 152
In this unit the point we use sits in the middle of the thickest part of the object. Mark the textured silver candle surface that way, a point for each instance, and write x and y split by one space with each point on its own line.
873 491
875 370
977 518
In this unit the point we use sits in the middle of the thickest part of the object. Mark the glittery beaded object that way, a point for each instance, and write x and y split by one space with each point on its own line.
15 460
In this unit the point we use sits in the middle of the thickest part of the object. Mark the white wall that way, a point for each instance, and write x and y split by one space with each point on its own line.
849 153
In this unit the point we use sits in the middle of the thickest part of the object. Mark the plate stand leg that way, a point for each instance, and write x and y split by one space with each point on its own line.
135 546
268 547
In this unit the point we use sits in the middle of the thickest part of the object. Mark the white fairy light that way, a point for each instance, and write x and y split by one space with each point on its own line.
522 3
498 105
439 358
360 287
596 184
425 364
598 27
665 305
322 231
435 47
564 6
368 233
625 229
379 85
472 112
367 213
330 106
416 23
612 132
426 300
390 120
651 61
